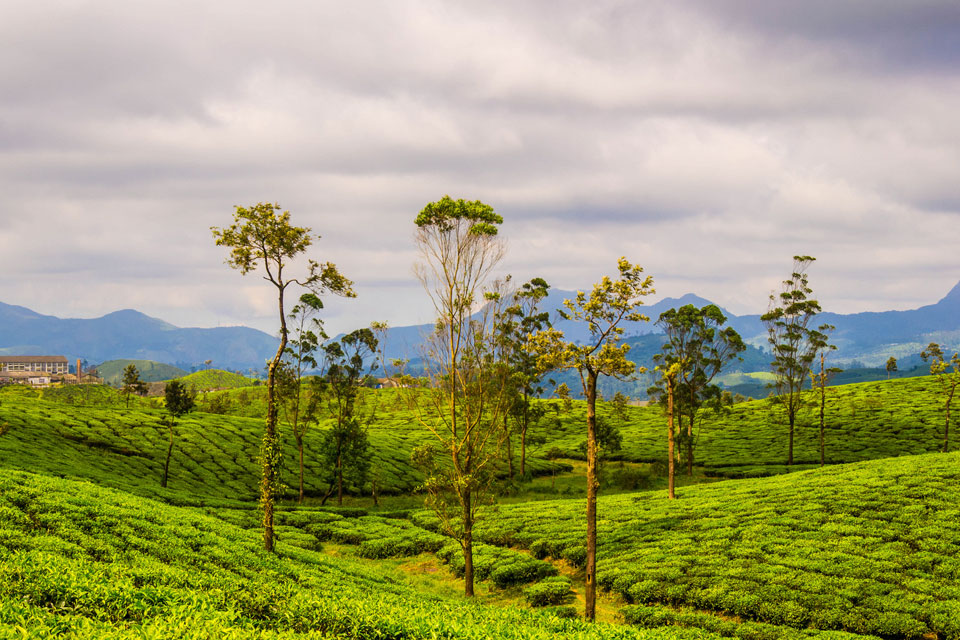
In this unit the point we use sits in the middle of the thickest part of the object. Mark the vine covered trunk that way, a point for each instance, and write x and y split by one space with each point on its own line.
592 486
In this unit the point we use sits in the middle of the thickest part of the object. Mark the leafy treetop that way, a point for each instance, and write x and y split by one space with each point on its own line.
263 235
447 213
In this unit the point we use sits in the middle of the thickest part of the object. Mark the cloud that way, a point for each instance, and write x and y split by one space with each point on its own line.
707 141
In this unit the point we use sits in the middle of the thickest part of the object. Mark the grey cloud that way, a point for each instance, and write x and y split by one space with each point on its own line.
709 142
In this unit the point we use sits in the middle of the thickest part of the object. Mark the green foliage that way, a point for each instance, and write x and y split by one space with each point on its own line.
212 379
700 348
132 382
866 421
947 373
868 548
794 343
503 567
551 591
178 400
216 454
90 563
150 371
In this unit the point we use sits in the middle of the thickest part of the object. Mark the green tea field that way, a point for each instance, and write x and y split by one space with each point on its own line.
91 546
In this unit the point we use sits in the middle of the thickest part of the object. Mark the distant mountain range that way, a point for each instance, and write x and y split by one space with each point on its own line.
129 334
863 339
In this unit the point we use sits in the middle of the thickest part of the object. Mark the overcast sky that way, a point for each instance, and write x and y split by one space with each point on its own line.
707 141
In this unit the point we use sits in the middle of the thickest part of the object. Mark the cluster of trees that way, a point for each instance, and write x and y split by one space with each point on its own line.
489 352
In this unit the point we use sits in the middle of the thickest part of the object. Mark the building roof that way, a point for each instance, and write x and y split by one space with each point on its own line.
19 374
26 359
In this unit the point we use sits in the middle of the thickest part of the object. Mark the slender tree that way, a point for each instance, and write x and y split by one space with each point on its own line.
698 341
611 303
891 366
299 358
521 317
821 380
948 375
459 247
262 237
669 372
563 392
132 382
794 343
344 446
179 402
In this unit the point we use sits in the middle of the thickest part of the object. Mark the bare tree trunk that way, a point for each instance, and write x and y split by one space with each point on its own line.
523 451
327 495
593 485
300 450
671 471
791 416
166 465
823 403
467 544
523 436
693 413
509 447
270 444
946 427
340 479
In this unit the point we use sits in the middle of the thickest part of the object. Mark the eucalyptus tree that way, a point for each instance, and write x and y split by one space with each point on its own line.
891 366
179 401
948 375
459 247
262 237
299 357
563 393
132 382
821 379
698 342
669 373
521 317
794 343
344 449
603 311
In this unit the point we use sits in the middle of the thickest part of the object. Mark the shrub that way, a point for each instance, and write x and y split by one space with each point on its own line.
552 591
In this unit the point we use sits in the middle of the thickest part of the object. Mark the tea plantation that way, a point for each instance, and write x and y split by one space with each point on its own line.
864 421
81 561
92 547
214 455
870 548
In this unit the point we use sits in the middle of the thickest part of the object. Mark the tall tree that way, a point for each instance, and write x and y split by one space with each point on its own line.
669 372
344 446
820 381
299 358
948 375
697 340
521 317
563 393
611 303
262 237
132 382
459 248
179 402
794 343
891 366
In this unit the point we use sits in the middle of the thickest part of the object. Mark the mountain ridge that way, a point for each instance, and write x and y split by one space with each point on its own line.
867 337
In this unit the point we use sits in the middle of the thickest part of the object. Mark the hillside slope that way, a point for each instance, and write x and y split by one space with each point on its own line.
214 456
870 548
85 562
150 371
864 421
